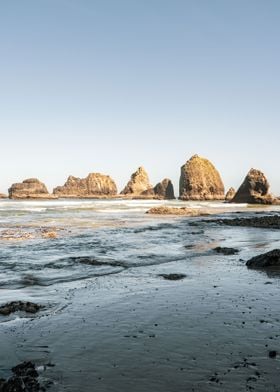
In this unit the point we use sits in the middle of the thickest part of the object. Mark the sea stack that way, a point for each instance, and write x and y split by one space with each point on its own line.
230 194
254 190
30 188
164 190
200 180
138 185
95 185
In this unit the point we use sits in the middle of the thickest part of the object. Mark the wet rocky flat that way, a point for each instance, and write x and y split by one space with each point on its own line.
152 304
268 222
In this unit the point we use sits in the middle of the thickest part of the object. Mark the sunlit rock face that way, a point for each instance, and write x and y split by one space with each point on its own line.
254 190
139 184
30 188
230 194
94 185
200 180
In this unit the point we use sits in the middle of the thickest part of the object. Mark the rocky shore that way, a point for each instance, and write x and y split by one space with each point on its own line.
199 181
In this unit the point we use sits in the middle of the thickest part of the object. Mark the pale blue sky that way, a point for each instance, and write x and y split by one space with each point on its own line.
109 85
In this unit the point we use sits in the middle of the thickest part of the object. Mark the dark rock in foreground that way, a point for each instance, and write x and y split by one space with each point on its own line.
272 354
254 190
265 222
267 260
19 306
226 251
173 276
24 379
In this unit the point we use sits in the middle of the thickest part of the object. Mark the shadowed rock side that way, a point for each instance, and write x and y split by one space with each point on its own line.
230 194
138 185
267 260
31 188
254 190
164 190
200 181
94 185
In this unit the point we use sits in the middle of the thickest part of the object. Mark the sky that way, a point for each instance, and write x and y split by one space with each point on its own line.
110 85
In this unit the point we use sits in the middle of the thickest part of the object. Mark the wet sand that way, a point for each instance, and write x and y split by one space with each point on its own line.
136 331
133 329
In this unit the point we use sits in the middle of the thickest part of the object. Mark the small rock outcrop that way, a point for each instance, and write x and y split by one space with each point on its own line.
31 188
200 180
254 190
24 379
3 196
94 185
266 260
230 194
184 211
19 306
164 190
226 251
138 185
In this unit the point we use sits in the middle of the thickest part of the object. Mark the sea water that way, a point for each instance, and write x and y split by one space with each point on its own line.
115 234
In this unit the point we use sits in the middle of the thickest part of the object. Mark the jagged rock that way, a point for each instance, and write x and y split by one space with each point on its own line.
17 306
230 194
200 181
24 379
185 211
164 190
266 260
31 188
94 185
254 190
139 184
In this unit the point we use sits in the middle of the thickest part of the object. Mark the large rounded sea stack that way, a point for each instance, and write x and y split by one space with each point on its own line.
200 180
95 185
138 185
254 190
30 188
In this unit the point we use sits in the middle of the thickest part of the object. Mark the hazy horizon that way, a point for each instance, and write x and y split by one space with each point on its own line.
106 86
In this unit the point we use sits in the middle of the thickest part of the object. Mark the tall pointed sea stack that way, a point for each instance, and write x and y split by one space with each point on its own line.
254 190
94 185
138 185
200 180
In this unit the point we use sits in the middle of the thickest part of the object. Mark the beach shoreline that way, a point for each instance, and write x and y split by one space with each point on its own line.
126 327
